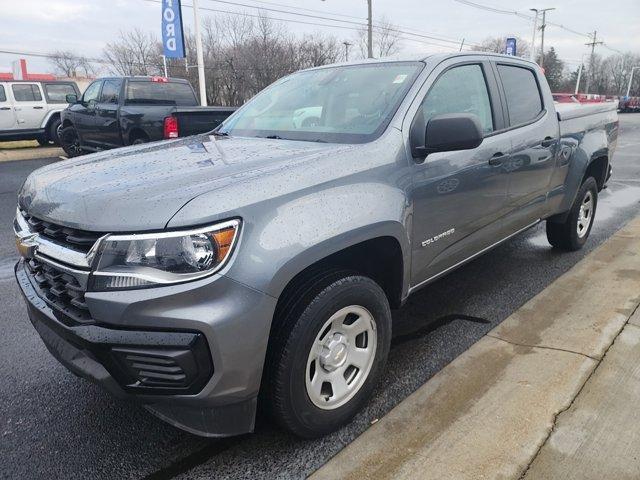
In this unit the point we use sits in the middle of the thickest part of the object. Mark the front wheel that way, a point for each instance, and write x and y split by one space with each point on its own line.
572 234
70 142
327 353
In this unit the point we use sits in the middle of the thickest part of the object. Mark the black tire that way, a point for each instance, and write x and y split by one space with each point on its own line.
53 131
140 140
70 142
565 235
297 327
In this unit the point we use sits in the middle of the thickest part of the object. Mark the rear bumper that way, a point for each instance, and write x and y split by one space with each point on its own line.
178 369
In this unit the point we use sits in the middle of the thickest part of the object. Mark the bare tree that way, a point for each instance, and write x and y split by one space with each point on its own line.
386 39
71 65
136 53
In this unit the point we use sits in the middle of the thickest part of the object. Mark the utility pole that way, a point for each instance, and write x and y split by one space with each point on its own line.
542 28
532 53
370 30
631 80
346 50
578 80
591 44
200 54
164 63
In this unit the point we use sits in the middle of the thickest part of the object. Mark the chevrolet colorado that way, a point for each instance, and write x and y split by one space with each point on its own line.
262 260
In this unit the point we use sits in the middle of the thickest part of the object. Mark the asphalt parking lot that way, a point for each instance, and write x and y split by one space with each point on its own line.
55 425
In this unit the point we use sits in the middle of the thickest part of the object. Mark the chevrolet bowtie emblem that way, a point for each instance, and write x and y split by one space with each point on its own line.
27 245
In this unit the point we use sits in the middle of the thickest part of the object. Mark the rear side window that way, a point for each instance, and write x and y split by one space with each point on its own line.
26 92
3 96
523 95
57 92
160 93
110 91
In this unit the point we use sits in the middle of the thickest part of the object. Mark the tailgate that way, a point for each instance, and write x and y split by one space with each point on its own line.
194 120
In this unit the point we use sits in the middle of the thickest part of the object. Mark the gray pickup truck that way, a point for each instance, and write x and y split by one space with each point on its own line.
260 262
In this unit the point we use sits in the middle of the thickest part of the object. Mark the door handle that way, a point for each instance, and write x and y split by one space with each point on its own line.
497 159
38 108
548 141
5 108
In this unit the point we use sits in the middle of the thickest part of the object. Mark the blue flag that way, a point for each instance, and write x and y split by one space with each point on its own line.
172 33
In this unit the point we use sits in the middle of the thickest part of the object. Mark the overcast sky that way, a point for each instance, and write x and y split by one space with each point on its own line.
84 26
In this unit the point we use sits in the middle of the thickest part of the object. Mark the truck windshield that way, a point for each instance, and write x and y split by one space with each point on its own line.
344 104
160 93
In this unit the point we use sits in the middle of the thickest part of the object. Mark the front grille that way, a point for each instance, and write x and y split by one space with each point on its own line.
59 290
80 240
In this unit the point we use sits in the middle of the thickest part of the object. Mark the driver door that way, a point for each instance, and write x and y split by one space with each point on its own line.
84 114
459 197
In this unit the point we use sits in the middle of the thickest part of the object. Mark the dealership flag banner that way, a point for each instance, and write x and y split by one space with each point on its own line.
510 47
172 33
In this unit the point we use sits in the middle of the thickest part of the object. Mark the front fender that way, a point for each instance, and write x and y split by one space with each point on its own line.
275 247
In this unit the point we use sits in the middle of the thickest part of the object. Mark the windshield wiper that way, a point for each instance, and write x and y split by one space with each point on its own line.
274 137
219 134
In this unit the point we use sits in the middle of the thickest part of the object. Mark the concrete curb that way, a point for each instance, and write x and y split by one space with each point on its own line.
489 412
10 155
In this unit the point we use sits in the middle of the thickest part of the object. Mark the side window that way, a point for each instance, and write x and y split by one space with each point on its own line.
57 92
92 91
461 89
3 96
26 92
110 91
523 95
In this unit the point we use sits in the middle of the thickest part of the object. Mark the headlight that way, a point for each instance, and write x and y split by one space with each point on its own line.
151 259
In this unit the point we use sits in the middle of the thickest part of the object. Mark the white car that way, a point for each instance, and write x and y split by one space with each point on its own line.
31 110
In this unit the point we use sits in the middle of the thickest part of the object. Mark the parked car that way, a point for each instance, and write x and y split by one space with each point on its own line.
119 111
262 261
30 110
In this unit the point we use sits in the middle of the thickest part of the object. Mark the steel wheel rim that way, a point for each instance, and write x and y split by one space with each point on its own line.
72 141
341 357
585 215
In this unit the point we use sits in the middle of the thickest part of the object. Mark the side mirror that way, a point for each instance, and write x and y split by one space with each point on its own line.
450 132
71 98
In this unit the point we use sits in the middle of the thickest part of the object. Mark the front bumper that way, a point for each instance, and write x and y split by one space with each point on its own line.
192 354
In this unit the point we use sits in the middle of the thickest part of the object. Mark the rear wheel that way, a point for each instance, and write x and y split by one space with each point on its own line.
42 141
70 142
327 353
572 234
53 131
139 140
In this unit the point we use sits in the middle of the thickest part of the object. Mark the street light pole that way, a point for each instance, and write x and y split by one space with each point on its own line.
370 29
532 53
200 55
346 50
631 80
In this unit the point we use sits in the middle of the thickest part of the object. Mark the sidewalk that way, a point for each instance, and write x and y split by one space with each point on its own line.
551 393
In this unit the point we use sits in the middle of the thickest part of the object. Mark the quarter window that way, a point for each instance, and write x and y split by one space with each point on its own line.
3 96
461 89
26 92
523 95
57 92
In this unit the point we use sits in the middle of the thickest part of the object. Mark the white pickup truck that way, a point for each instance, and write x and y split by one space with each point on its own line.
31 110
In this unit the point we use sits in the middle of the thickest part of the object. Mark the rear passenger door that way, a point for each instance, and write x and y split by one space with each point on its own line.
29 105
533 128
7 117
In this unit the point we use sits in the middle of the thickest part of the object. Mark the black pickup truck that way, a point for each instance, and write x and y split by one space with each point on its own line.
119 111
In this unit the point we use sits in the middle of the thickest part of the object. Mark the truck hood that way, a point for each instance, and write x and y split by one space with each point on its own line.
142 187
